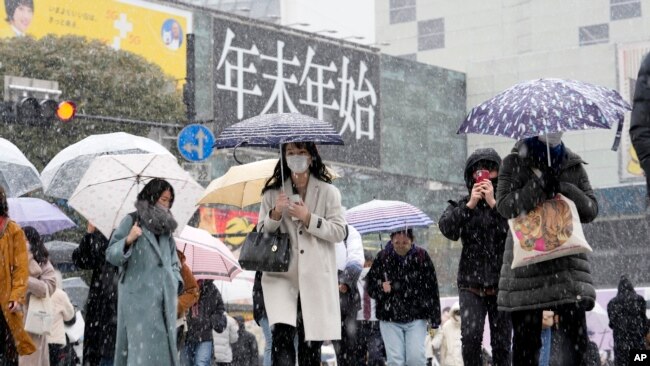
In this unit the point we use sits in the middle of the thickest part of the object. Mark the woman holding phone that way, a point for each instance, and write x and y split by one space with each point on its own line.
300 200
483 231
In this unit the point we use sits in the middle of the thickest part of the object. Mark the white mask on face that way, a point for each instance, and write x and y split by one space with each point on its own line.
553 139
298 163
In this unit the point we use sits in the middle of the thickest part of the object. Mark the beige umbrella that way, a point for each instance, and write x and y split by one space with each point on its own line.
242 185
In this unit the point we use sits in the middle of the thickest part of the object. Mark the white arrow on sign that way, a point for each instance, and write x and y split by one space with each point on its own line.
201 136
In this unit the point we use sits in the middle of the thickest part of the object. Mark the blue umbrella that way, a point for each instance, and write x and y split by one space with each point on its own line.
273 130
542 106
379 216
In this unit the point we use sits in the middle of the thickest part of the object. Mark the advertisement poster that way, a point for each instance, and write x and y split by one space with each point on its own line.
153 31
629 61
235 224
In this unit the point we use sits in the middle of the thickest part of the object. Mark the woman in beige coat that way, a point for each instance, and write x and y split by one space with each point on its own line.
303 300
42 281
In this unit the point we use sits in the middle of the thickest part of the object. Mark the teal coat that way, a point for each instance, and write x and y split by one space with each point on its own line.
147 296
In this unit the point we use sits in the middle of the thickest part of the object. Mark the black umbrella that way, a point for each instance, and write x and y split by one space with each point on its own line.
60 251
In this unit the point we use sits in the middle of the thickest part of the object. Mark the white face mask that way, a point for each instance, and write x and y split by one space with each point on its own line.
553 139
298 163
364 272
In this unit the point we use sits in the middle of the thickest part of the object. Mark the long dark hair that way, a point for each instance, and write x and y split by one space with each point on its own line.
4 206
154 189
317 167
36 245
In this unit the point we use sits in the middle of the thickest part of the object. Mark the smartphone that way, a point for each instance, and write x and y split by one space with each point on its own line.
481 175
294 198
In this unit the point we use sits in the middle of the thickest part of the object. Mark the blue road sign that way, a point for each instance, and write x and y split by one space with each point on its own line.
195 142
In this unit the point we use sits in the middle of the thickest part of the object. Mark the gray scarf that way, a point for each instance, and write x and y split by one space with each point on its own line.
158 220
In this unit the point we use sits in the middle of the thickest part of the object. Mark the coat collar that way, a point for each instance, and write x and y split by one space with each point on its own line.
151 238
313 187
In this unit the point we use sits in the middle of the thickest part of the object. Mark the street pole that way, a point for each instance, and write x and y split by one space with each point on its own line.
190 79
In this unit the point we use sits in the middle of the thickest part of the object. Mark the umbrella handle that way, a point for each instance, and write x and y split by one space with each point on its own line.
281 167
234 152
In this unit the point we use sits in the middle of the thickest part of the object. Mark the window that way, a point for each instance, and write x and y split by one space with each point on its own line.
402 11
593 34
431 34
409 56
624 9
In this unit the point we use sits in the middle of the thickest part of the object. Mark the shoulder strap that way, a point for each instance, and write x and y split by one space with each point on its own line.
347 232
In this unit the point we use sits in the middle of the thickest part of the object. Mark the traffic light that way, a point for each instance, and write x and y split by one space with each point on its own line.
31 110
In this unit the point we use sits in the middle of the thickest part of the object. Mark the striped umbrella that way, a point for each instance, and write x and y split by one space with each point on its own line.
272 130
386 216
207 256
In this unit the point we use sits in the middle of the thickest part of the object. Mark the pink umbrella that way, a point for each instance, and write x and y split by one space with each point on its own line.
206 255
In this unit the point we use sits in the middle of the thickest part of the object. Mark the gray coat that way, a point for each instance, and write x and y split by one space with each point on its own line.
312 272
146 303
558 281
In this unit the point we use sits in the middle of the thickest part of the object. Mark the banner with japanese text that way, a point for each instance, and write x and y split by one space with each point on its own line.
260 69
153 31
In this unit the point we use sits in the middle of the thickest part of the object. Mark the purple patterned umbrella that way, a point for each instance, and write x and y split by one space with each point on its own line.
542 106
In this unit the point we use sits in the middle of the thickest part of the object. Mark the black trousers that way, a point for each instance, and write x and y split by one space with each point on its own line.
527 326
283 352
369 348
8 352
473 311
346 346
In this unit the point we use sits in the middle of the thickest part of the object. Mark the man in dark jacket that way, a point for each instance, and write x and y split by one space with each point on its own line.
101 306
640 124
628 320
244 351
204 316
483 232
563 285
403 281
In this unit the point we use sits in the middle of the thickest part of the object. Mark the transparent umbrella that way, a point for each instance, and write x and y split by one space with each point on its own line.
17 174
63 173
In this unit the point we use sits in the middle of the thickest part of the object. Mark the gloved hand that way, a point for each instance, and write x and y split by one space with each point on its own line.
551 184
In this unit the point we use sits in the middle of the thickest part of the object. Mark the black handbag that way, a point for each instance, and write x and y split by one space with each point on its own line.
266 252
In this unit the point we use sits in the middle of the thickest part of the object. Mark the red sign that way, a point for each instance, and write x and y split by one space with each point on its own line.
234 223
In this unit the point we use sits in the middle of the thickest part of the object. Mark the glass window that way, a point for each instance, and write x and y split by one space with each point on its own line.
593 34
624 9
431 34
402 11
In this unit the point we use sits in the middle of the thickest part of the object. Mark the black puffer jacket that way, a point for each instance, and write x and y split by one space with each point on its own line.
414 286
482 231
627 318
558 281
640 124
205 315
101 306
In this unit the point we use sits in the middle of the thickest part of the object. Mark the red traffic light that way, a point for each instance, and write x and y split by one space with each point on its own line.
66 111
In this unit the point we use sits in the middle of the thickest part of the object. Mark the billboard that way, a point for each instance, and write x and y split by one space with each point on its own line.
153 31
261 69
234 223
629 61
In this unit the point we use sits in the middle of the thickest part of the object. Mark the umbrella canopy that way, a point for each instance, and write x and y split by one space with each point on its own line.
108 190
272 130
63 173
379 216
242 185
536 107
77 291
60 251
206 255
239 290
17 175
43 216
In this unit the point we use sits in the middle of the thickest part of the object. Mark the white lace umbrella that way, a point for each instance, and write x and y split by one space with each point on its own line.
108 190
62 174
17 175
